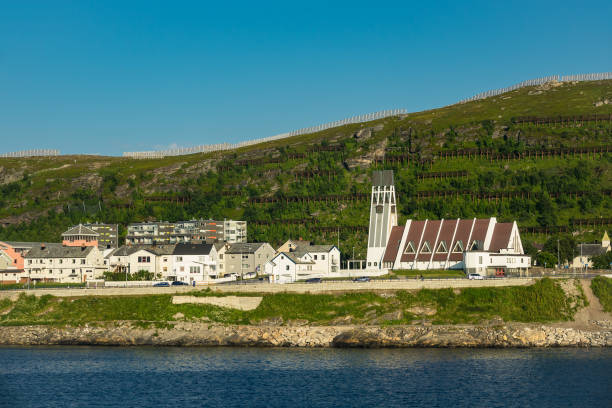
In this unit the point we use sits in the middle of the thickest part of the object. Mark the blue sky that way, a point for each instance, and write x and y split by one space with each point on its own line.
113 76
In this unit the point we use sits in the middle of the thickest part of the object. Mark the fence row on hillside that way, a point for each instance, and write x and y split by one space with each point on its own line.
562 120
32 153
492 155
421 195
229 146
540 81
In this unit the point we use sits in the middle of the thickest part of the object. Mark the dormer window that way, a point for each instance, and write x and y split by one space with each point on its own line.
410 248
426 248
458 248
442 248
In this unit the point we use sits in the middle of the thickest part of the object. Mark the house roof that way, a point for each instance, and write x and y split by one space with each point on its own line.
590 249
244 248
80 230
295 258
54 251
396 238
306 248
192 249
28 245
501 236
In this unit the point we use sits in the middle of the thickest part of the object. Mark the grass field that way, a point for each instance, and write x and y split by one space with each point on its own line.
544 301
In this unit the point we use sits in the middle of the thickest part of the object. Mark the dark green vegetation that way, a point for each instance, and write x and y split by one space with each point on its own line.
603 261
602 288
544 301
136 276
41 197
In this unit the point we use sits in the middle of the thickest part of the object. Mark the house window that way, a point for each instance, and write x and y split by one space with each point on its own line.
458 248
287 267
74 261
194 269
245 266
375 263
426 248
220 256
179 259
29 261
165 269
442 248
480 260
322 257
82 262
182 269
220 266
315 257
61 261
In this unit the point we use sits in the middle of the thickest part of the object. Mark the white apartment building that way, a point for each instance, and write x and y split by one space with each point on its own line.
58 263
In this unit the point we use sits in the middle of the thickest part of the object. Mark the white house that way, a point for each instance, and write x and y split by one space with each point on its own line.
194 263
154 259
304 262
59 263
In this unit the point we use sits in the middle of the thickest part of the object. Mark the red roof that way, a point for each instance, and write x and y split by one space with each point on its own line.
429 237
501 236
414 235
393 244
446 235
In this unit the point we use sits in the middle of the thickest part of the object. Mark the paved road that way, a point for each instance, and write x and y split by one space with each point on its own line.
324 287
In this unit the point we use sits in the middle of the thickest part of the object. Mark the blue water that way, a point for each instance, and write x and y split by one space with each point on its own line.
255 377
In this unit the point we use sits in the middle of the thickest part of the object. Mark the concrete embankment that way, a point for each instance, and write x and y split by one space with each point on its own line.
325 287
202 334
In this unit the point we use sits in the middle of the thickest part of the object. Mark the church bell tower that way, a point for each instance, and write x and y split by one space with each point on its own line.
383 216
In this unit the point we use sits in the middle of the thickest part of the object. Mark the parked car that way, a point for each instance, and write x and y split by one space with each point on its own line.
158 284
179 283
313 280
475 276
362 279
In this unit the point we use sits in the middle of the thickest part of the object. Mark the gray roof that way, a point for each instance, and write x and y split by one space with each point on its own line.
128 250
53 251
590 250
382 178
314 248
244 248
81 230
295 258
28 245
192 249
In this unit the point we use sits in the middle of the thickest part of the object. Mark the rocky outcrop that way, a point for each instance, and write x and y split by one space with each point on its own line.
203 334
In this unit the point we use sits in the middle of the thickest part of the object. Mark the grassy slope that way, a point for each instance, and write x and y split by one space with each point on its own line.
53 182
602 288
544 301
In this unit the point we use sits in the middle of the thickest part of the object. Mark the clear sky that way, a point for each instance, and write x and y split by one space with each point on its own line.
113 76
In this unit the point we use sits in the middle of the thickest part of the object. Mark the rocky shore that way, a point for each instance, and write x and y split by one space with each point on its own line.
201 334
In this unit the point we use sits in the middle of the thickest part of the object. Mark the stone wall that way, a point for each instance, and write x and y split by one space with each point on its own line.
203 334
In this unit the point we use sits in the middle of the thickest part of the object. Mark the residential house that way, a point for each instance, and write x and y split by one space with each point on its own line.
132 259
247 259
61 263
194 263
221 248
11 265
585 252
291 245
304 261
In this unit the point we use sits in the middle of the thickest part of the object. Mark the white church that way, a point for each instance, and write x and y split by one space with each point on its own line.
482 246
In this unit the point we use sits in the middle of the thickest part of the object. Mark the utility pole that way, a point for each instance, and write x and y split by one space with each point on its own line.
558 257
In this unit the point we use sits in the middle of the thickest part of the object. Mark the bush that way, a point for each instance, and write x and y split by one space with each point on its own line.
602 288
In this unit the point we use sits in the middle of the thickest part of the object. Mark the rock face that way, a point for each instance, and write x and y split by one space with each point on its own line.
202 334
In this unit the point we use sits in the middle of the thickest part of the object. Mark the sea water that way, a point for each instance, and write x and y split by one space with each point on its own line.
64 376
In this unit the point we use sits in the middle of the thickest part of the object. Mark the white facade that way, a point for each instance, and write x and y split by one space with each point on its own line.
195 267
140 260
487 263
383 217
319 262
72 267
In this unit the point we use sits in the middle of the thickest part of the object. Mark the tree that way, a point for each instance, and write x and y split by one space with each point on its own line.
566 246
546 259
603 261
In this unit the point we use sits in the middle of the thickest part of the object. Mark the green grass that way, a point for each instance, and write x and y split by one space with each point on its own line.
544 301
602 288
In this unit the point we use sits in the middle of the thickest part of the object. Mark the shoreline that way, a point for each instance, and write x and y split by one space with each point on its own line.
511 335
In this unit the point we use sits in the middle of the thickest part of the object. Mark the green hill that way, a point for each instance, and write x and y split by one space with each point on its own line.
476 159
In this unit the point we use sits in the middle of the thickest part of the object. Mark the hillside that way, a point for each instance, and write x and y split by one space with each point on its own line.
482 158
